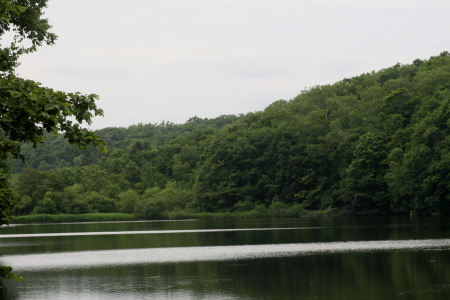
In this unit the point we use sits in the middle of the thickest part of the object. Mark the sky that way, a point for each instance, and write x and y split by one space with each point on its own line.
155 60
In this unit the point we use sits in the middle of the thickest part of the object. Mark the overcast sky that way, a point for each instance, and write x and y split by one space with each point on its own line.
154 60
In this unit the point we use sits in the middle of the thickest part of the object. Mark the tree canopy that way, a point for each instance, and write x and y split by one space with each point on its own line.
374 144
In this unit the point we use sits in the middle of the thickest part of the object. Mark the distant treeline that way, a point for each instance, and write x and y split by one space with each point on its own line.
377 143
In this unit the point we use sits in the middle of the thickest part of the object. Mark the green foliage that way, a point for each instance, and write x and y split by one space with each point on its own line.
46 206
372 144
175 196
61 218
128 201
363 187
23 19
329 147
155 203
6 204
244 205
94 202
151 208
6 272
26 105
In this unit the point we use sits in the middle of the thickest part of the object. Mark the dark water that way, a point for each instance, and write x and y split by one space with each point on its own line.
302 258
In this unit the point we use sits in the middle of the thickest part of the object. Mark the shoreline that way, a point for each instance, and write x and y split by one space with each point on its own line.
168 216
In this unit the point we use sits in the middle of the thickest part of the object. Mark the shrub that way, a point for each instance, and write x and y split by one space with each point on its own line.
150 208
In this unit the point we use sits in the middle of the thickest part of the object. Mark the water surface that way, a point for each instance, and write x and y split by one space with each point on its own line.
301 258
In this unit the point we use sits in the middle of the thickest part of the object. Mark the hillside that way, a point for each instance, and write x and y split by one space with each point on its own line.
377 143
56 153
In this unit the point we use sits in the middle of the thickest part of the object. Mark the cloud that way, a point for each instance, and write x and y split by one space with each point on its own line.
174 59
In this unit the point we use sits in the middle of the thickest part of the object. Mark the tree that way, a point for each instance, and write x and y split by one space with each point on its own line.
28 110
127 201
364 189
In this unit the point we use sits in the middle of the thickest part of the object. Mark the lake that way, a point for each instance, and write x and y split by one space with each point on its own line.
296 258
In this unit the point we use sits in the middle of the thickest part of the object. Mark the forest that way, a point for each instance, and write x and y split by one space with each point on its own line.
373 144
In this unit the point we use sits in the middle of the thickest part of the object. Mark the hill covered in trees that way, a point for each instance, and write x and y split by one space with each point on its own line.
377 143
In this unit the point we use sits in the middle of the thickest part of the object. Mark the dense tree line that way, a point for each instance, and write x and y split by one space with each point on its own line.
377 143
56 153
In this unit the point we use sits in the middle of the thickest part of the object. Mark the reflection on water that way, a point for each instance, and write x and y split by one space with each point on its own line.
87 259
342 258
95 287
5 236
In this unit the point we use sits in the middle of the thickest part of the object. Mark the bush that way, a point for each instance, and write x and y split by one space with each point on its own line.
150 208
279 209
98 202
128 201
244 205
46 206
